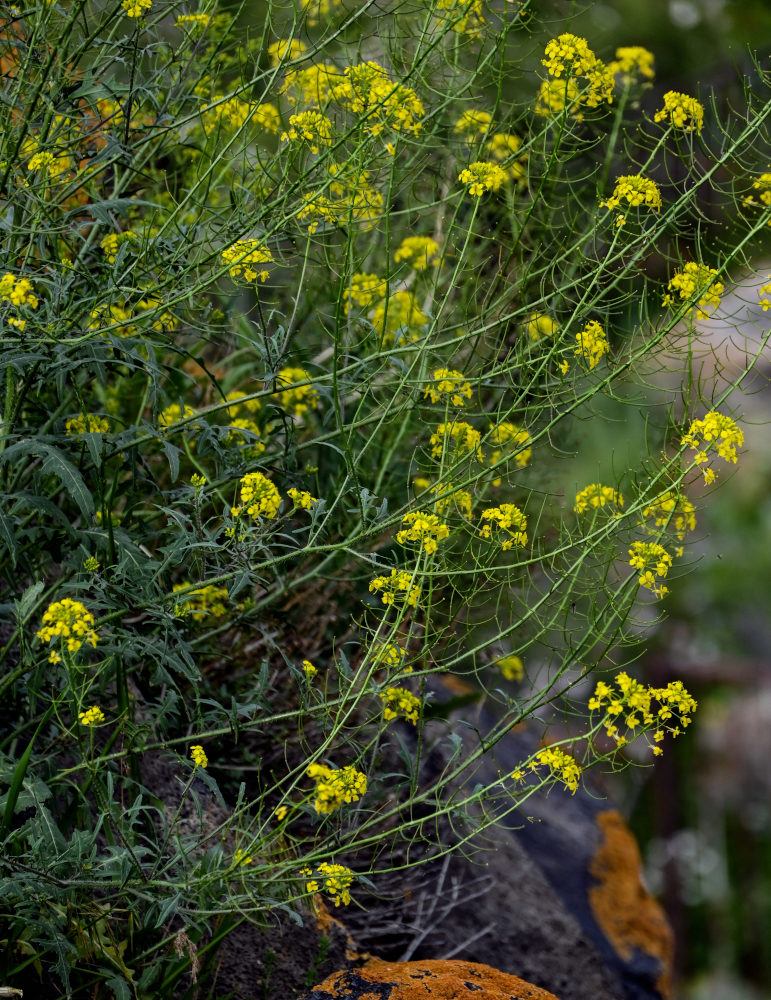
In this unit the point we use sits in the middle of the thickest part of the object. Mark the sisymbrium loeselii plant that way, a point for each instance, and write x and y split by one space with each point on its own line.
300 350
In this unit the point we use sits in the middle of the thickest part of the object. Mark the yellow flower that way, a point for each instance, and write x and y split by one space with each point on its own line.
579 78
280 812
424 528
764 296
313 83
398 316
456 439
136 8
243 256
510 441
259 497
298 399
301 499
420 252
652 560
400 702
633 60
174 414
592 343
463 16
596 495
448 383
696 281
509 524
310 127
396 588
114 241
336 786
336 881
541 325
502 147
364 289
88 424
69 621
198 756
241 857
482 176
714 427
93 716
512 667
683 112
209 601
286 51
473 125
561 765
635 191
309 670
366 89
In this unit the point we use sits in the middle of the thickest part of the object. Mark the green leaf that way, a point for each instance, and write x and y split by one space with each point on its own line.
55 462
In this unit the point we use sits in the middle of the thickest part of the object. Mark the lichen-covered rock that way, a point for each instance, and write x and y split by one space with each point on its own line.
430 980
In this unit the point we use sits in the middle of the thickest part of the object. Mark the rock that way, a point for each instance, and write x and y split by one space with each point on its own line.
430 980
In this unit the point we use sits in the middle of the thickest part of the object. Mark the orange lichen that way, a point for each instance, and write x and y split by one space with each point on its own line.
430 980
629 916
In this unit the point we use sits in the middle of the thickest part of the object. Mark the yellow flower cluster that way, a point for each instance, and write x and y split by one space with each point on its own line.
675 708
596 495
484 175
198 756
541 325
682 111
420 252
509 524
463 16
259 497
69 621
18 291
721 430
652 560
631 61
336 881
424 528
310 127
335 786
88 424
209 601
400 316
512 667
457 438
764 296
762 199
234 113
448 384
578 78
696 281
314 84
388 655
353 199
51 163
292 396
301 499
241 858
592 343
399 701
309 669
635 191
670 512
195 23
286 51
503 147
367 89
364 289
447 496
93 716
136 8
244 429
473 125
511 441
114 241
244 257
398 587
174 414
562 766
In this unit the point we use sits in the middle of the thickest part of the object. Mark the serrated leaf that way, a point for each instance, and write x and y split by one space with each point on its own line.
54 462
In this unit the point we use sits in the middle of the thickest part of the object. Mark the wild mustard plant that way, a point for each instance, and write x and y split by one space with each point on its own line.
299 359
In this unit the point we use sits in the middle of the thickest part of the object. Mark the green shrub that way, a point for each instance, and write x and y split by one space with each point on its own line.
305 332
